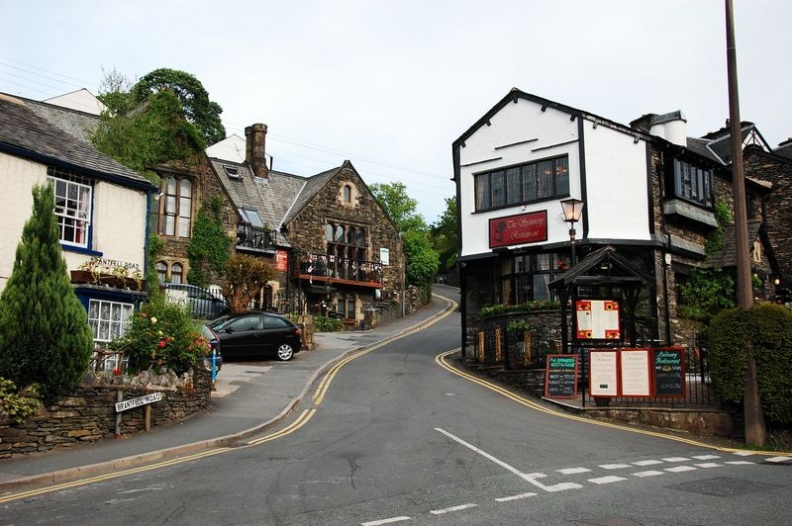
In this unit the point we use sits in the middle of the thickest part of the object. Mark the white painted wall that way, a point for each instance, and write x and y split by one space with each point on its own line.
514 123
119 217
616 183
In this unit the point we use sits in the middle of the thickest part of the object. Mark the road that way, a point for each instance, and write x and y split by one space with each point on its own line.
393 437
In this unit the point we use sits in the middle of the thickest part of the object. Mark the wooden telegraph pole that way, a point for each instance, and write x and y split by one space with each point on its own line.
755 432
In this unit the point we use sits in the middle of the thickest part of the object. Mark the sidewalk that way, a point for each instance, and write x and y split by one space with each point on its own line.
249 398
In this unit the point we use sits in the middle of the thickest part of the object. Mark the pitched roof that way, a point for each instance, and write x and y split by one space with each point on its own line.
313 185
272 197
727 256
25 134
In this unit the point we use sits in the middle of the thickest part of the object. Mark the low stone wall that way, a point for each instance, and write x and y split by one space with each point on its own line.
698 421
88 413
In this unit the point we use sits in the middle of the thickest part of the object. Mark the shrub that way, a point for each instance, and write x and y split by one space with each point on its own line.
44 332
17 406
326 324
768 329
162 333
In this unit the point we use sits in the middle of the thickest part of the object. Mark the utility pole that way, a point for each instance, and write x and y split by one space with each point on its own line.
755 432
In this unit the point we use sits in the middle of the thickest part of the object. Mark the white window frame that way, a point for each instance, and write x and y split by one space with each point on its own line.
101 312
76 218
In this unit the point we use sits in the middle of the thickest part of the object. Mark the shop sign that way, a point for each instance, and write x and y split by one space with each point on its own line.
518 229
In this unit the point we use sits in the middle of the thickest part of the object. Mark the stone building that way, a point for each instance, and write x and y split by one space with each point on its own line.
334 249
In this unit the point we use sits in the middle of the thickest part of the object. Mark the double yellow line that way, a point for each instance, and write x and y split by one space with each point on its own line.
441 360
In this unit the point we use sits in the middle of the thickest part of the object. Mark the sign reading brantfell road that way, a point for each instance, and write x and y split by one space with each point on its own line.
137 402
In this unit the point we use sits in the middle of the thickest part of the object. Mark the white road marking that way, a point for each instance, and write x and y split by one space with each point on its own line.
744 453
573 471
386 521
453 508
647 463
615 466
516 497
644 474
681 469
706 457
707 465
526 477
606 480
739 463
676 459
780 460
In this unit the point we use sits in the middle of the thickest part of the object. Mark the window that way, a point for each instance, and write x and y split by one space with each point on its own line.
177 273
692 183
522 184
176 207
162 271
346 248
231 171
108 320
527 277
347 193
73 196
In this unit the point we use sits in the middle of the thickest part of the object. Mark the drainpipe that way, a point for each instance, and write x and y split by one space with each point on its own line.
667 255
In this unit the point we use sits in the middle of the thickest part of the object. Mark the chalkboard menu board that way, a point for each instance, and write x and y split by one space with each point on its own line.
668 368
561 376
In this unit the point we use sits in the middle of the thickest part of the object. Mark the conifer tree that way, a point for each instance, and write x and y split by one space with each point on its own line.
44 332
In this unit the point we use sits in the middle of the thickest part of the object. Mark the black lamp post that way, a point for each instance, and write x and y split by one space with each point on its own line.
572 209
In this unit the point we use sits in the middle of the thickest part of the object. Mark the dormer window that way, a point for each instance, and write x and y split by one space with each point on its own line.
231 171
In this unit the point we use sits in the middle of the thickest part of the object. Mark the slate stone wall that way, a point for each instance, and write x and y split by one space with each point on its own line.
88 415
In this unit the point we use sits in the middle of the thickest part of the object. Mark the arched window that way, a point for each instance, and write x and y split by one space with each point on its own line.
351 236
177 273
329 233
347 193
162 271
361 238
339 234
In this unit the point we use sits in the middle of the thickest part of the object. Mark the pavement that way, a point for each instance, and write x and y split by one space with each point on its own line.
250 398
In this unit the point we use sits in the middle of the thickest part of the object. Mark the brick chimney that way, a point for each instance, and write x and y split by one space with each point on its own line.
255 152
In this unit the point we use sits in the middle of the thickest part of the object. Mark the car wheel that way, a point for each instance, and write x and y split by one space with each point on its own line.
285 352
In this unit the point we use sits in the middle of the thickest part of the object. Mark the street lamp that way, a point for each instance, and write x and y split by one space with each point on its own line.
572 209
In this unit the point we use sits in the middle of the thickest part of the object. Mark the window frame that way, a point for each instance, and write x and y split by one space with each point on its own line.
176 207
692 182
79 221
510 186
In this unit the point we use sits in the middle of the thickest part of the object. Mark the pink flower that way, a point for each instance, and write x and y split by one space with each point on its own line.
162 344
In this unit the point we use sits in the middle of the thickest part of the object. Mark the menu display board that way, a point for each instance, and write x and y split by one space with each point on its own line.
561 376
598 320
603 377
668 371
634 368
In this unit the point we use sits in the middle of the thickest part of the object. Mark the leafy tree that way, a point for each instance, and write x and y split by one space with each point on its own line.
44 332
245 277
422 259
445 235
400 207
194 99
705 293
209 248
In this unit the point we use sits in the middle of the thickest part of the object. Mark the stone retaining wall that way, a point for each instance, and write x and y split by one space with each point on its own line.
88 415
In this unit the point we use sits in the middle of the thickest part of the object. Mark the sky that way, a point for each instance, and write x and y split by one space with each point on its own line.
389 85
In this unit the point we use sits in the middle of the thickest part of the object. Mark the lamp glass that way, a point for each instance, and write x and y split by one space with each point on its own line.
572 209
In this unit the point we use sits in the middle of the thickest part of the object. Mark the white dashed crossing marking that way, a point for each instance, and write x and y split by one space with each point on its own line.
573 471
453 508
606 480
515 497
644 474
676 459
680 469
615 466
643 463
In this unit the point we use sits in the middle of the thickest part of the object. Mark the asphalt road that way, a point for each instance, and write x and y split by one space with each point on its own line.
391 437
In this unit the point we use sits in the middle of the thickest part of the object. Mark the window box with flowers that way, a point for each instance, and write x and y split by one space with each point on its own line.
99 271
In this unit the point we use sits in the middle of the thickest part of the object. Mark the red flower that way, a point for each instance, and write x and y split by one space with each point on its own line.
116 371
162 344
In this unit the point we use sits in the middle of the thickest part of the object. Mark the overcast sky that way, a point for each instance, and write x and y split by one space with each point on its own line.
390 85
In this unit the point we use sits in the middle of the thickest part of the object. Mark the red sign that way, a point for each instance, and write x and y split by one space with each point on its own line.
519 229
281 260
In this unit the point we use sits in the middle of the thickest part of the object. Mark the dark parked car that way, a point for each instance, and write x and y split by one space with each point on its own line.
202 303
257 334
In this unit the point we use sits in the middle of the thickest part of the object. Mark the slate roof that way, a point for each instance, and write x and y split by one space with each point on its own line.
24 133
727 256
784 149
76 123
272 197
313 185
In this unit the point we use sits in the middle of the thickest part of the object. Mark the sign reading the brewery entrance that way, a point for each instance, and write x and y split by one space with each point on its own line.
137 402
668 367
561 376
598 320
517 230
